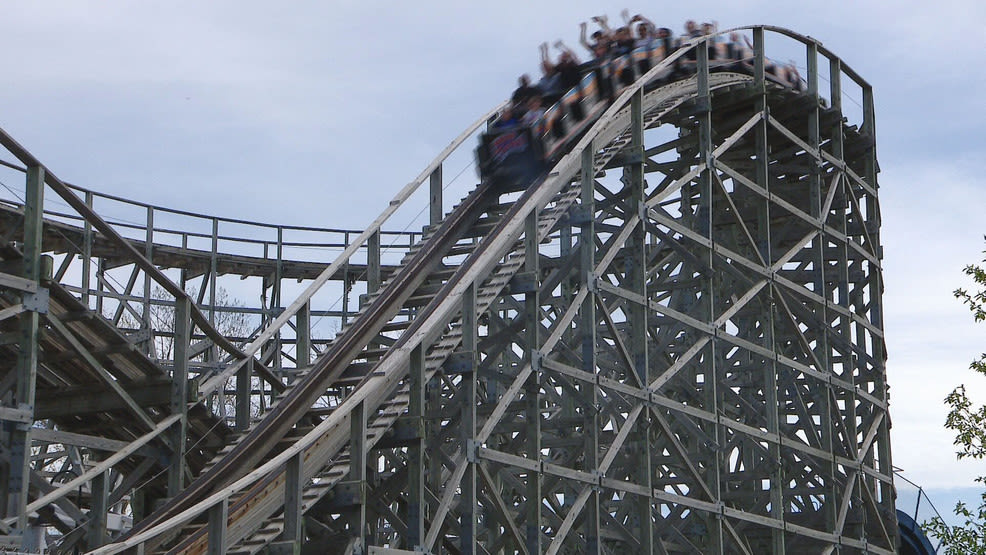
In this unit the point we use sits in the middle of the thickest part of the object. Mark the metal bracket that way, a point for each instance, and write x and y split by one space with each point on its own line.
459 362
591 282
524 282
579 217
36 302
347 494
472 450
597 484
142 334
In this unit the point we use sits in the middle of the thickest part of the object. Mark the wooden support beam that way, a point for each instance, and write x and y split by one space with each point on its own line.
98 509
218 517
45 435
532 389
293 488
435 209
18 470
469 501
179 396
416 451
86 400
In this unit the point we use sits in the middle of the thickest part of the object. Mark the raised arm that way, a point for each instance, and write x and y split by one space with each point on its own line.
583 39
651 28
564 48
602 20
546 65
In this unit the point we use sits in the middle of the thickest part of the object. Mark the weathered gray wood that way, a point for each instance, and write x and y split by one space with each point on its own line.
179 396
218 516
18 469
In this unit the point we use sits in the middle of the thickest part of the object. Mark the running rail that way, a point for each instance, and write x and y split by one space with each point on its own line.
424 329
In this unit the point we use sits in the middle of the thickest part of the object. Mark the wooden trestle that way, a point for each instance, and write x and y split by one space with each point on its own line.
671 343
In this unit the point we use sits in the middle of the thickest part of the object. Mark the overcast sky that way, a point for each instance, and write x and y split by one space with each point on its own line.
315 113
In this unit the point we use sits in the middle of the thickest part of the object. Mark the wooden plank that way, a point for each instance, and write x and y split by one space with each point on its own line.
80 440
83 400
19 283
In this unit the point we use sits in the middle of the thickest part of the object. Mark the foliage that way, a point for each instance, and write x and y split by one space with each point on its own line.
968 421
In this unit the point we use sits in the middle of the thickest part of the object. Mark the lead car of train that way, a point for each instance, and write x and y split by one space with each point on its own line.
514 156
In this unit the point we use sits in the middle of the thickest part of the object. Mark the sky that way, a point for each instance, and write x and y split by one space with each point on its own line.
316 113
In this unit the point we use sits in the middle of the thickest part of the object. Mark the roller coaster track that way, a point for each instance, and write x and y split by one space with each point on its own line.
438 321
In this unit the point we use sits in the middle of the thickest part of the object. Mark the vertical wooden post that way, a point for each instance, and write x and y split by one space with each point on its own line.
277 340
357 473
218 517
770 371
179 395
705 227
303 337
373 263
96 527
293 517
244 390
636 268
532 392
759 61
416 452
587 313
86 254
469 503
213 271
146 323
27 356
435 209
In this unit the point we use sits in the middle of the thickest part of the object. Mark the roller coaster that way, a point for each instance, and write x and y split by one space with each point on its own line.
669 341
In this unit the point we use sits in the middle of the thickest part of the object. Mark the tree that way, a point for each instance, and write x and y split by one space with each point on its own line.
968 421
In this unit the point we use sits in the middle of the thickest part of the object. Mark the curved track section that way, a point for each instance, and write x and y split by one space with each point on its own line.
671 343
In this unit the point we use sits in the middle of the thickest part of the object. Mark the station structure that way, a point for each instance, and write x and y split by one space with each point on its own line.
673 343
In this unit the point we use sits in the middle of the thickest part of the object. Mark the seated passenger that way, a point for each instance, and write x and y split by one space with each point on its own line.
622 41
646 40
623 46
601 40
736 49
534 115
569 73
690 59
793 77
666 43
710 29
507 119
559 77
524 92
646 31
691 30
